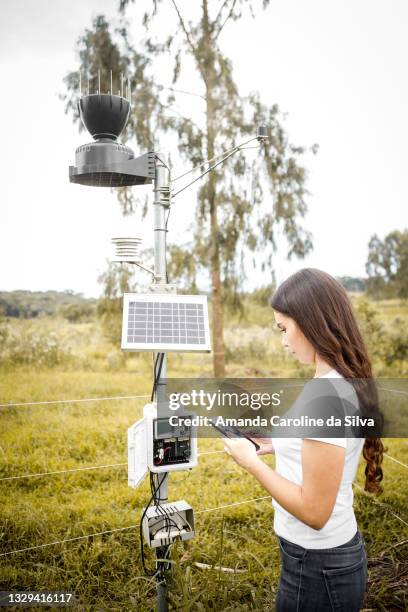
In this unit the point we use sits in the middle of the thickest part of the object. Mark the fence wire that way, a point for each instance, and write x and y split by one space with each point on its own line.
120 397
395 460
71 401
375 500
394 390
84 469
233 504
223 507
110 531
112 465
121 529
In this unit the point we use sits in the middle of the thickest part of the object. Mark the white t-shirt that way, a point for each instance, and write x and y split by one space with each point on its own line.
342 525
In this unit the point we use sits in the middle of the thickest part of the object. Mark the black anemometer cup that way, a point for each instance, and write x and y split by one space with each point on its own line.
104 115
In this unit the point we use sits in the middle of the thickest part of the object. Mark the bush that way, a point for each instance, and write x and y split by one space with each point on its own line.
397 343
76 313
371 328
30 347
386 346
109 311
244 345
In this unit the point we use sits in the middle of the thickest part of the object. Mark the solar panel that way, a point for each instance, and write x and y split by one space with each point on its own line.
157 322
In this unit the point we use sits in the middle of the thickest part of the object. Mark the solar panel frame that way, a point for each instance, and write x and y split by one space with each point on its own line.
149 319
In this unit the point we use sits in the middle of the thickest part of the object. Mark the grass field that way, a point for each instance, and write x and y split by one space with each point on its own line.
105 571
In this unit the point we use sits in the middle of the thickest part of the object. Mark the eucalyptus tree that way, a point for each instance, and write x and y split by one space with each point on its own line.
387 265
232 220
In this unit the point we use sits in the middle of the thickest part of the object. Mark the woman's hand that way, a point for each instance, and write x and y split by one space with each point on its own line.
242 451
265 446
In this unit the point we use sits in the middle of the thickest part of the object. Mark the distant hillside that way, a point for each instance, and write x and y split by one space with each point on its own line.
31 304
351 283
74 306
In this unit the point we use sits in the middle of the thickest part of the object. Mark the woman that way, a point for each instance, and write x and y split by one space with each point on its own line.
324 564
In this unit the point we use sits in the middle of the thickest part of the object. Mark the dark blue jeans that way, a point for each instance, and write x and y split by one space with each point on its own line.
330 579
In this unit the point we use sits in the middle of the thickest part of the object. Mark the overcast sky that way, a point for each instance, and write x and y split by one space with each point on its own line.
338 69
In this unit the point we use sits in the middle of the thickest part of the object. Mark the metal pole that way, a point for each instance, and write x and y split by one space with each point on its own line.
160 181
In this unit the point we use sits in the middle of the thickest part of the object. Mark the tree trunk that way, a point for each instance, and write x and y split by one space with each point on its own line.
218 326
216 286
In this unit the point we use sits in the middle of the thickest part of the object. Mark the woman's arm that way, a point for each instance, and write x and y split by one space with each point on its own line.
313 501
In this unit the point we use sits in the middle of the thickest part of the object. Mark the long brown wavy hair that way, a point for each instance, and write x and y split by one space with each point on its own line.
323 311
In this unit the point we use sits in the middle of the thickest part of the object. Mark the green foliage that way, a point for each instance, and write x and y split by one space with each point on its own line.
387 344
387 265
183 266
75 313
115 281
262 295
31 304
250 336
371 328
110 313
397 343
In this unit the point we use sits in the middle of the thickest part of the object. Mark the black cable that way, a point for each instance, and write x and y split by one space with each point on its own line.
168 521
165 237
160 520
154 488
157 373
162 566
165 549
166 556
167 219
184 520
146 570
163 162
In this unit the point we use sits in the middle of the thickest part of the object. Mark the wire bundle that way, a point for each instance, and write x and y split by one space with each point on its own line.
166 522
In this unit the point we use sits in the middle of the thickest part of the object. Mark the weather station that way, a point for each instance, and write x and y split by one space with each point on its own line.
158 320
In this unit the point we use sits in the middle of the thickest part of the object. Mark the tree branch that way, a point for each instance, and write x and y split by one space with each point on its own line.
174 110
188 37
218 17
188 93
231 12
